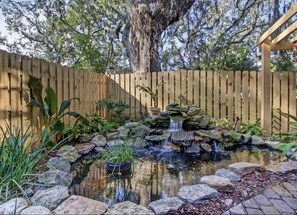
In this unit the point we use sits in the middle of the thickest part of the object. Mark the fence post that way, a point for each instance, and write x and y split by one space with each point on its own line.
265 87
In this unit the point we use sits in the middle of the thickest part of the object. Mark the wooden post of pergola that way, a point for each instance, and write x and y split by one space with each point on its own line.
267 45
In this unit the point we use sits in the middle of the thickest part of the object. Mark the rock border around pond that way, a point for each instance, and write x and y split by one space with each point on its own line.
57 200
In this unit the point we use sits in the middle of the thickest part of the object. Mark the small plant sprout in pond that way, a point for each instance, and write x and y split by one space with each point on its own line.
119 157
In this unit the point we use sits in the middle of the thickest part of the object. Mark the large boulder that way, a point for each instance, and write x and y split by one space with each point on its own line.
81 205
51 197
177 109
283 167
271 144
124 133
84 148
219 183
112 135
158 138
38 210
258 141
195 194
55 177
193 111
128 207
182 138
166 205
69 153
244 168
139 131
205 122
58 163
206 147
227 174
130 125
140 143
99 141
13 205
209 135
193 149
112 143
245 138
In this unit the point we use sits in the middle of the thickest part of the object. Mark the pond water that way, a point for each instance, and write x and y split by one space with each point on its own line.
153 179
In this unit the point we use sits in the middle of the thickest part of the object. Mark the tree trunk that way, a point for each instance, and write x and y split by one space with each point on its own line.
147 19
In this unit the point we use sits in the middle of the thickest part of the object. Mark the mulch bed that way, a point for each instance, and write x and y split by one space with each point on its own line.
249 186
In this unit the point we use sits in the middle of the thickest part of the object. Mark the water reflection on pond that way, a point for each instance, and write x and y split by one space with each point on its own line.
155 179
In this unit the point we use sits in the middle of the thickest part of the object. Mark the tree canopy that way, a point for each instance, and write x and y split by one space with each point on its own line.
143 35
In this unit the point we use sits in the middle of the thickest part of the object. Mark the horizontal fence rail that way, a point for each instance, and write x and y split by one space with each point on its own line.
67 82
228 94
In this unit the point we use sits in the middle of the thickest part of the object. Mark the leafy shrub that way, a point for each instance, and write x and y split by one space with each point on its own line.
92 124
19 161
290 138
251 128
115 109
47 109
222 122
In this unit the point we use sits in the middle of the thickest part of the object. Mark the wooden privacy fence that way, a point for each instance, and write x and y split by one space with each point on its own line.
221 93
68 83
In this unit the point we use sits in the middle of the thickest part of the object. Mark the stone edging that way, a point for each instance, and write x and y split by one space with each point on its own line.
57 199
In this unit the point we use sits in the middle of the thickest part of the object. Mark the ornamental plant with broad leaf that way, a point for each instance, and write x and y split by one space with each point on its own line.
45 110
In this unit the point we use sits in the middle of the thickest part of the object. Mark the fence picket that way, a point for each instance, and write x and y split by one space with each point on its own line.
231 96
203 90
209 93
253 96
245 96
238 95
292 96
223 96
216 95
284 100
196 78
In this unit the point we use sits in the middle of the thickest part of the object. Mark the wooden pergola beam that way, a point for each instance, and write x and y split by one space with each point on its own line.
278 24
281 46
294 40
285 33
265 87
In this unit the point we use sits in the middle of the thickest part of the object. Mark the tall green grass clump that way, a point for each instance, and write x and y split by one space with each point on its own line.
20 160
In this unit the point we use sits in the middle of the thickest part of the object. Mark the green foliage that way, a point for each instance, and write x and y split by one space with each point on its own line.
20 160
46 110
68 31
93 124
149 90
222 122
251 128
115 109
119 153
233 58
282 62
290 138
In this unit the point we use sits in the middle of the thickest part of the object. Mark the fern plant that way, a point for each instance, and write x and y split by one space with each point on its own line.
290 138
251 128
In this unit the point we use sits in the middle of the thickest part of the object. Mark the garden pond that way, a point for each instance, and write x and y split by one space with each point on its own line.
152 179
